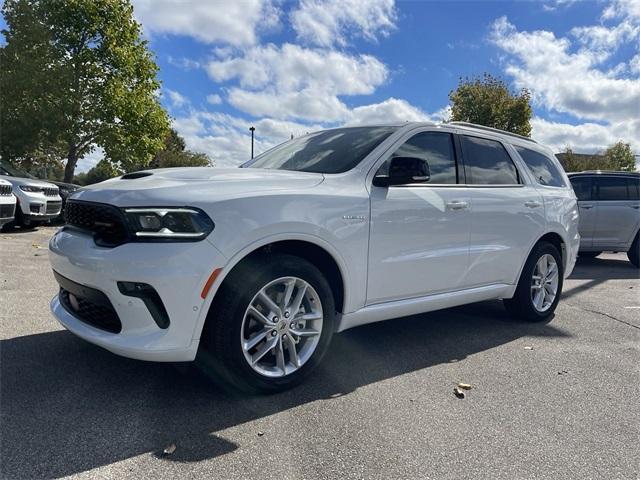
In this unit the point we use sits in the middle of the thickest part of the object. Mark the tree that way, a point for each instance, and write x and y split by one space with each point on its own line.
103 170
620 157
175 154
489 101
75 75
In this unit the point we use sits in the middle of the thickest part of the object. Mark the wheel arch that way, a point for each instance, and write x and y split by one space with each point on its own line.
315 250
553 238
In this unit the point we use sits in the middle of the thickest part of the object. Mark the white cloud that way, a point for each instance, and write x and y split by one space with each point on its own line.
606 39
177 99
389 111
586 137
214 99
622 8
234 22
329 22
291 67
564 81
90 160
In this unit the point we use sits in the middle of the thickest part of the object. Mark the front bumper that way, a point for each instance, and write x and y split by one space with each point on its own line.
177 271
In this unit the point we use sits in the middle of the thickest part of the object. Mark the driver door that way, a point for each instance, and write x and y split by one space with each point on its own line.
419 234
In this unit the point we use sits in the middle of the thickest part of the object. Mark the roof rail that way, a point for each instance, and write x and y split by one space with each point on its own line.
491 129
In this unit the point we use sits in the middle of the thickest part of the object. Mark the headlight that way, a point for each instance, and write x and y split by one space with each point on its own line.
31 188
171 224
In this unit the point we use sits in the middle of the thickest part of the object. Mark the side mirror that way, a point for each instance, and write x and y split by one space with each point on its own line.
403 171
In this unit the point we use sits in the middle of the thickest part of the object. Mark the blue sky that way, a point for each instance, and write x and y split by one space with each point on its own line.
288 67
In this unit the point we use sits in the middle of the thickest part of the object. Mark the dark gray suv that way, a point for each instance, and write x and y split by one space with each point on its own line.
609 206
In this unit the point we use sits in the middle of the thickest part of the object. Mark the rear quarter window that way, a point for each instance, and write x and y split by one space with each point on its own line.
543 168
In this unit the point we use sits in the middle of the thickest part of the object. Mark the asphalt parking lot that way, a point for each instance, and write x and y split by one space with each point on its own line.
556 400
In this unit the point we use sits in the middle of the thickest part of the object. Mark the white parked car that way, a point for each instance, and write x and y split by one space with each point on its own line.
256 267
38 201
7 202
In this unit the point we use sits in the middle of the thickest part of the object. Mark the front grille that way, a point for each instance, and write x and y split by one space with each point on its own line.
7 211
88 305
105 222
5 190
54 207
50 192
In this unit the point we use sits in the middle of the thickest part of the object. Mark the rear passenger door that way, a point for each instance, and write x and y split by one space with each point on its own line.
507 215
583 188
617 211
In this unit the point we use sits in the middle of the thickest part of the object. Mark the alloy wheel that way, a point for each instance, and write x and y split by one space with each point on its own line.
544 283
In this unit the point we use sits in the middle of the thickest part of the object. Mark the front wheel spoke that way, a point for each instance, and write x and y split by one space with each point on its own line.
267 347
266 300
306 317
280 356
305 332
539 300
288 292
258 315
255 340
297 301
293 354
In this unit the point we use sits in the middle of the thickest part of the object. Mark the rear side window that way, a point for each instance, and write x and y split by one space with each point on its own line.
436 148
633 184
615 188
486 162
542 167
582 187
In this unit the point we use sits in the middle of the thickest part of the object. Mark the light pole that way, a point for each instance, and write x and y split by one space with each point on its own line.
253 129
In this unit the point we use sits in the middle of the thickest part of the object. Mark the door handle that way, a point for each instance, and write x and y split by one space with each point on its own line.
457 205
532 204
586 207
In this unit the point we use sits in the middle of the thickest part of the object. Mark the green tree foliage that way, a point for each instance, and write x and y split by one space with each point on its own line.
175 154
617 157
75 75
620 157
489 101
104 170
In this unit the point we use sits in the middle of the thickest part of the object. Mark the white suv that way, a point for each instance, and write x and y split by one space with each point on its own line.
255 268
7 202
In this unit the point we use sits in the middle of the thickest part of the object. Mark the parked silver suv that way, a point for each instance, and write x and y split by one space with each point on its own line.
609 205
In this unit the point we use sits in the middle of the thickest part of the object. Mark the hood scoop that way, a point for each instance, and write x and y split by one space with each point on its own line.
134 175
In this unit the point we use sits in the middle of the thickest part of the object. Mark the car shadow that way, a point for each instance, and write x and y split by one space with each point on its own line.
68 406
597 271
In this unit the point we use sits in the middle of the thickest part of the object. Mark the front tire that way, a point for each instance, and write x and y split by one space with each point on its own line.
270 324
634 252
540 285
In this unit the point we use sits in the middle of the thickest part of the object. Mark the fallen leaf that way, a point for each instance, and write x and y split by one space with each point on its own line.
260 434
170 449
528 348
458 393
464 386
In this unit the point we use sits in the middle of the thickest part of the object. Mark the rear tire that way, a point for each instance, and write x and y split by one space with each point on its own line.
588 254
534 283
293 340
634 252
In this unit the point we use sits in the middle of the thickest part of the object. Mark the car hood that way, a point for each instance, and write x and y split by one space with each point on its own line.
16 181
193 185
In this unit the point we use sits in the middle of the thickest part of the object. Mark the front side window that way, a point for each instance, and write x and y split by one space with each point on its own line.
436 149
327 151
542 167
486 162
582 188
612 188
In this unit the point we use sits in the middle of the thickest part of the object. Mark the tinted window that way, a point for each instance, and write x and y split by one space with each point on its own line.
328 151
436 149
582 187
633 184
611 188
486 162
542 167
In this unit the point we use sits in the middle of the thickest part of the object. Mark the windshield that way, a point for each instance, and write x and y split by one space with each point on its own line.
9 170
328 151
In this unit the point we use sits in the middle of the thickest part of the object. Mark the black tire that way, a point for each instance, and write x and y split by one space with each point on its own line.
588 254
634 252
221 356
521 305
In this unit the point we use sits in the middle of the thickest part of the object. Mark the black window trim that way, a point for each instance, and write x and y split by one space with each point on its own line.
519 176
515 147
